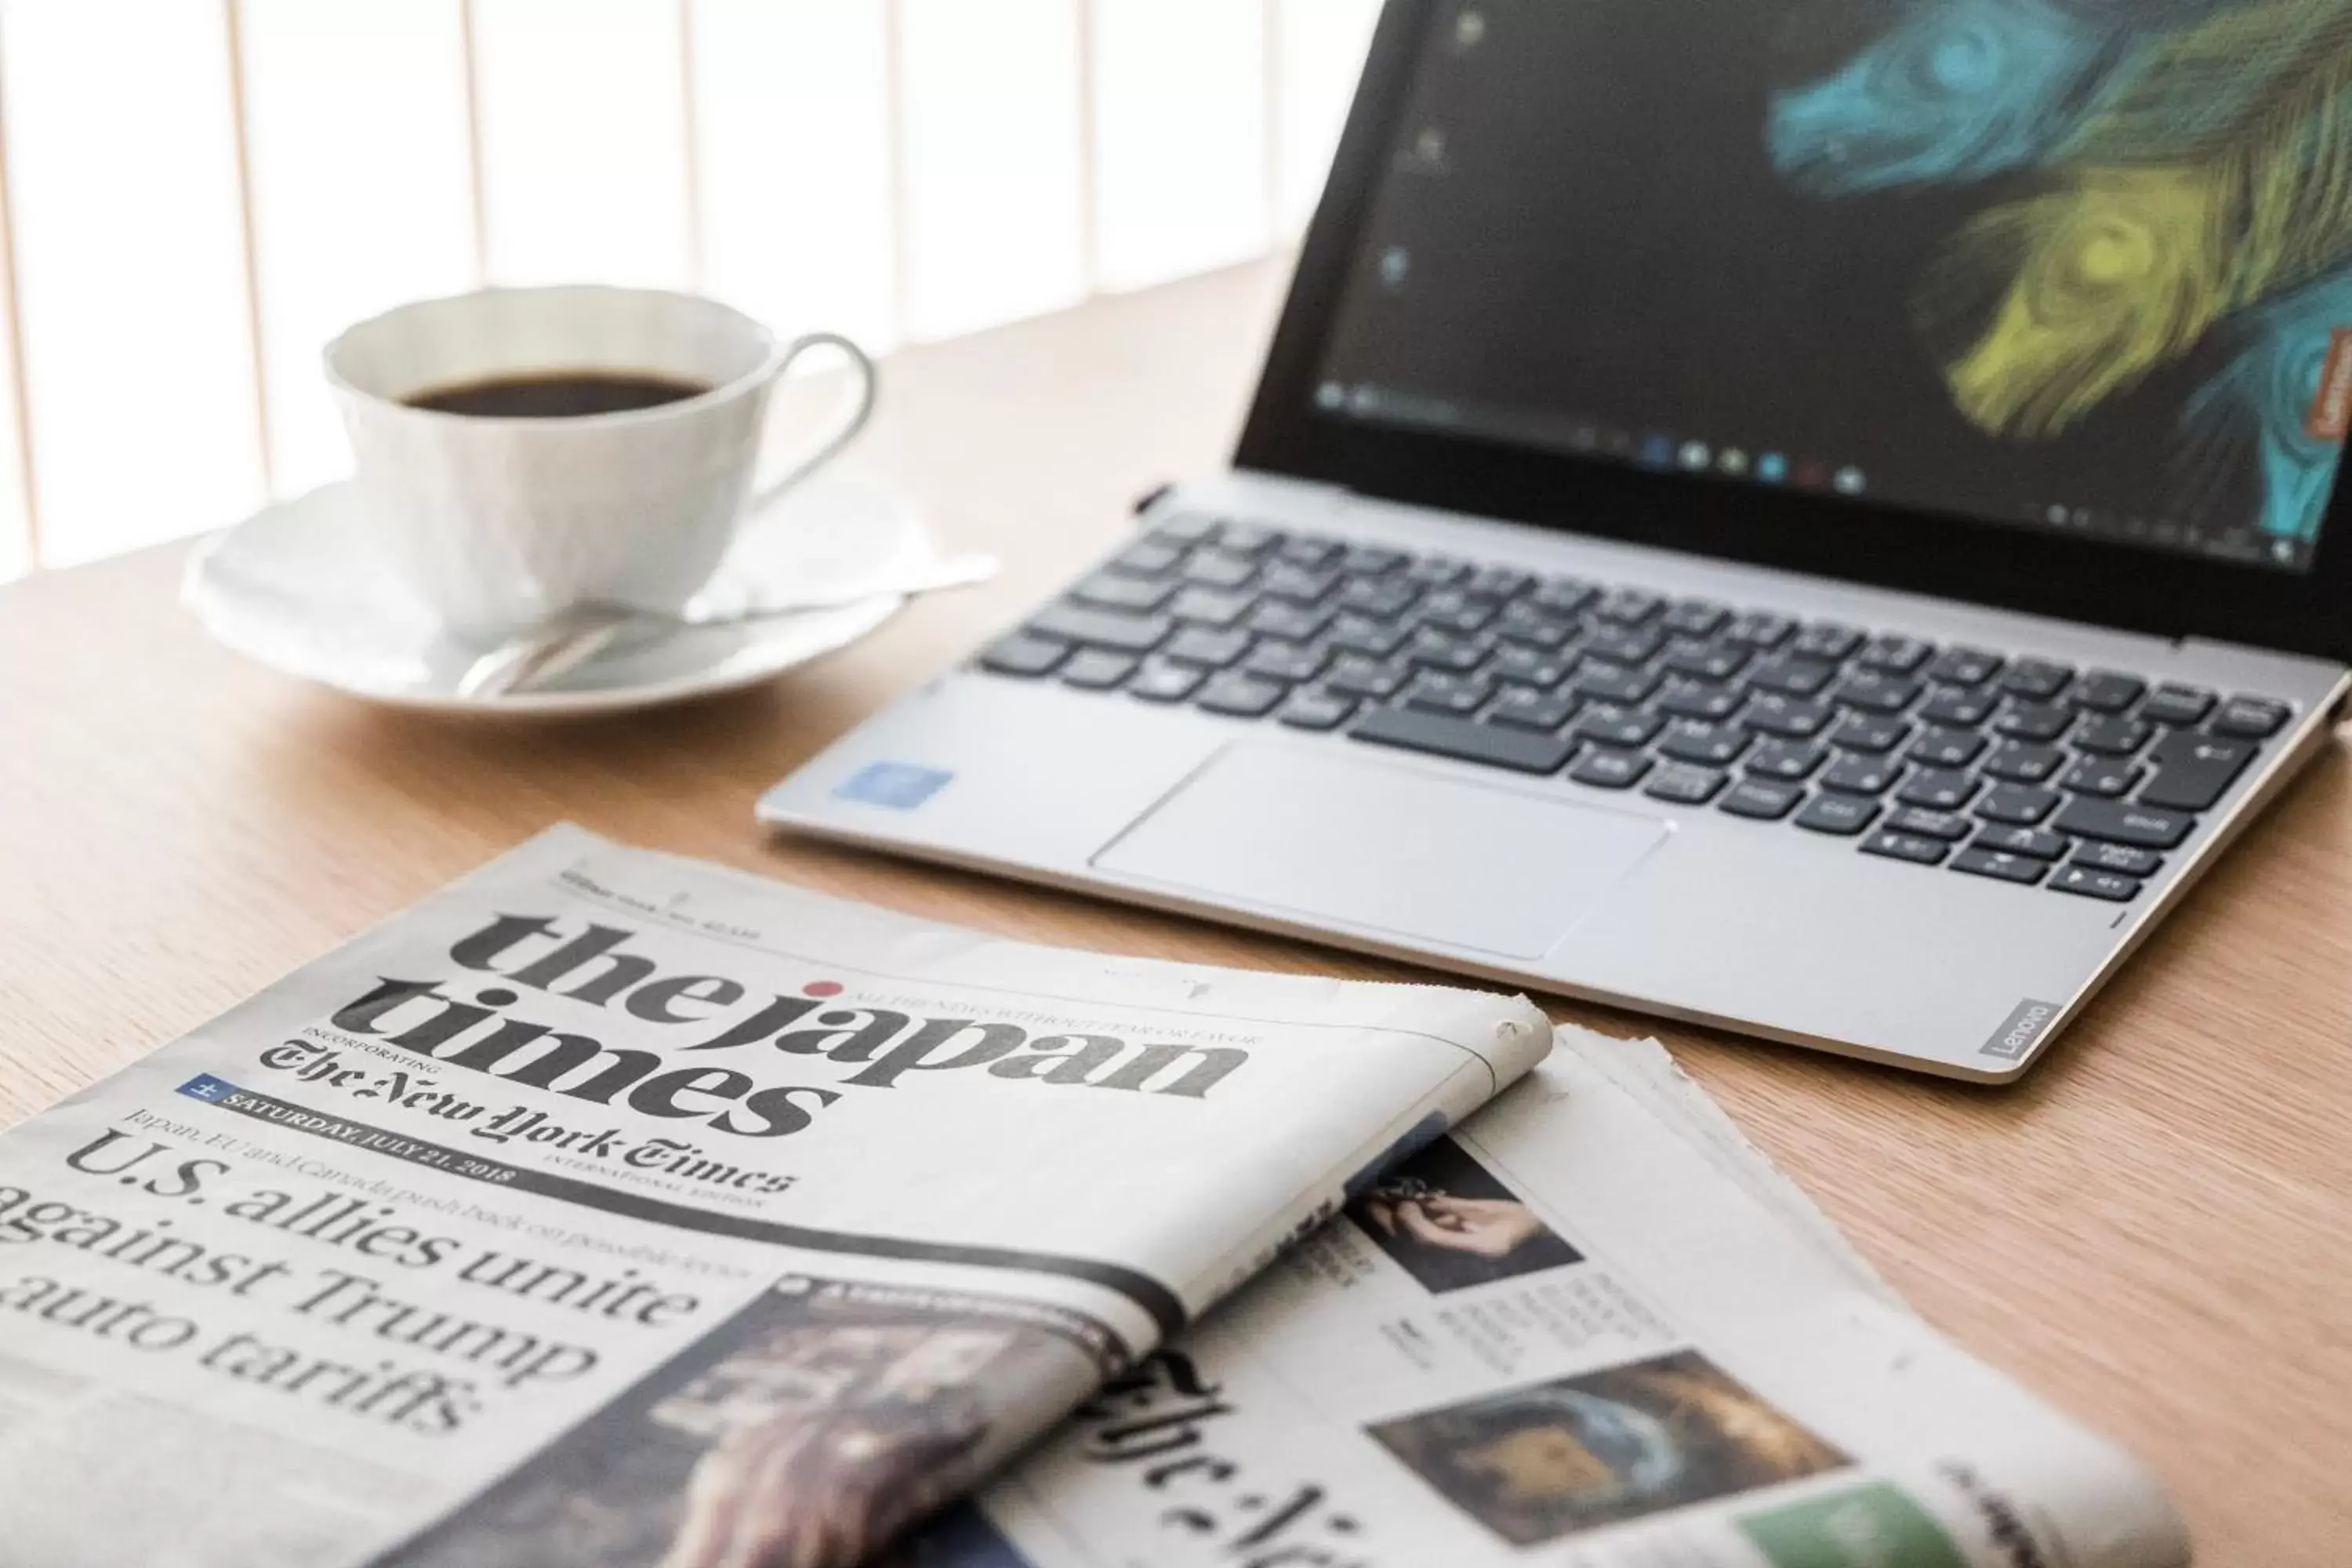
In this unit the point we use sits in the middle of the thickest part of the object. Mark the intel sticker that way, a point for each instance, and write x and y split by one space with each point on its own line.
902 786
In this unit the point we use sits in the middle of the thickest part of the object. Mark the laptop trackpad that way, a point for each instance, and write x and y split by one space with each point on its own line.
1336 837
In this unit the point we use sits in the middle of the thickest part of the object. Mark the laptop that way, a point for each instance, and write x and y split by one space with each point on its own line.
1819 527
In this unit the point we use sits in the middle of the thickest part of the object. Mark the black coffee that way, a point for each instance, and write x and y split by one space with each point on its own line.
557 394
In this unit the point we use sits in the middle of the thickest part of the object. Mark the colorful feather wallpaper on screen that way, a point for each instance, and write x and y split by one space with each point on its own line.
2177 173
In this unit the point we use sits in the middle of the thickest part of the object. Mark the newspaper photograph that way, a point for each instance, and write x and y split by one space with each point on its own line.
1593 1328
612 1209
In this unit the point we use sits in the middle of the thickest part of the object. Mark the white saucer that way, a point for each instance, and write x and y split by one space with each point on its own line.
296 587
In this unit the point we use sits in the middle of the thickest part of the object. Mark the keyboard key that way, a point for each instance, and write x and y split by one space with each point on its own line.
2019 806
1695 617
1613 726
1357 674
1527 708
1760 630
2120 857
1385 597
1947 826
2116 822
1316 708
1625 645
2251 718
1958 710
1247 538
1117 591
2096 884
1308 550
1524 623
1208 647
1792 677
1909 846
1452 610
1685 785
1964 666
2113 737
1291 622
1101 628
1937 789
1761 799
1993 863
2102 775
1948 748
1501 582
1287 662
1606 683
1895 653
1457 694
1875 691
1239 696
2038 843
1842 814
1159 681
2033 721
1785 760
2177 705
1437 571
1826 639
1298 584
1529 666
2193 771
2036 679
1791 718
1709 745
1608 769
1708 661
1023 654
1147 558
1628 606
1867 733
1852 774
1563 595
1361 634
1697 699
1219 569
2020 763
1465 739
1210 607
1432 649
2105 691
1097 670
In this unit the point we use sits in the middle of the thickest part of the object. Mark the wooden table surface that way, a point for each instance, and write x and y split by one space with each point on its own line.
2155 1229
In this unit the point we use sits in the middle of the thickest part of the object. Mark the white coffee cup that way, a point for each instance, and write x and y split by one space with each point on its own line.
497 522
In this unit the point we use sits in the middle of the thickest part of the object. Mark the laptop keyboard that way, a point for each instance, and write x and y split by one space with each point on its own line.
2015 768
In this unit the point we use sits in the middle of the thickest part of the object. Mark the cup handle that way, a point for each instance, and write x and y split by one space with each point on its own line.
868 379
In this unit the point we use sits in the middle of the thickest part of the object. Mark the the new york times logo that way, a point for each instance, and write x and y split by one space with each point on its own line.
2019 1030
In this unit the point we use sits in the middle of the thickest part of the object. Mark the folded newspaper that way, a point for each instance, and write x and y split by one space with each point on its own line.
609 1209
1594 1329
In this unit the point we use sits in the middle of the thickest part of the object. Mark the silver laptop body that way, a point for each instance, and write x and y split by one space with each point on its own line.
1615 743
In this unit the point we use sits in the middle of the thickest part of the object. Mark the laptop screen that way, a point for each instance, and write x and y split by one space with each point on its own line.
2070 265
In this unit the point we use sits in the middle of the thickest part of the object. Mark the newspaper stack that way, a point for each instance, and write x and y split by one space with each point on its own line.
613 1211
609 1210
1592 1328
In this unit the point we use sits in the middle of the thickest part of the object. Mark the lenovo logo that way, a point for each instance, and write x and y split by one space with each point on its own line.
2019 1030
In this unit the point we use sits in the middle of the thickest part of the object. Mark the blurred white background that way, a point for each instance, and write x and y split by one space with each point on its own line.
196 194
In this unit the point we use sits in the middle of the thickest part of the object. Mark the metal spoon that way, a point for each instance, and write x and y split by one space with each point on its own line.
573 637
